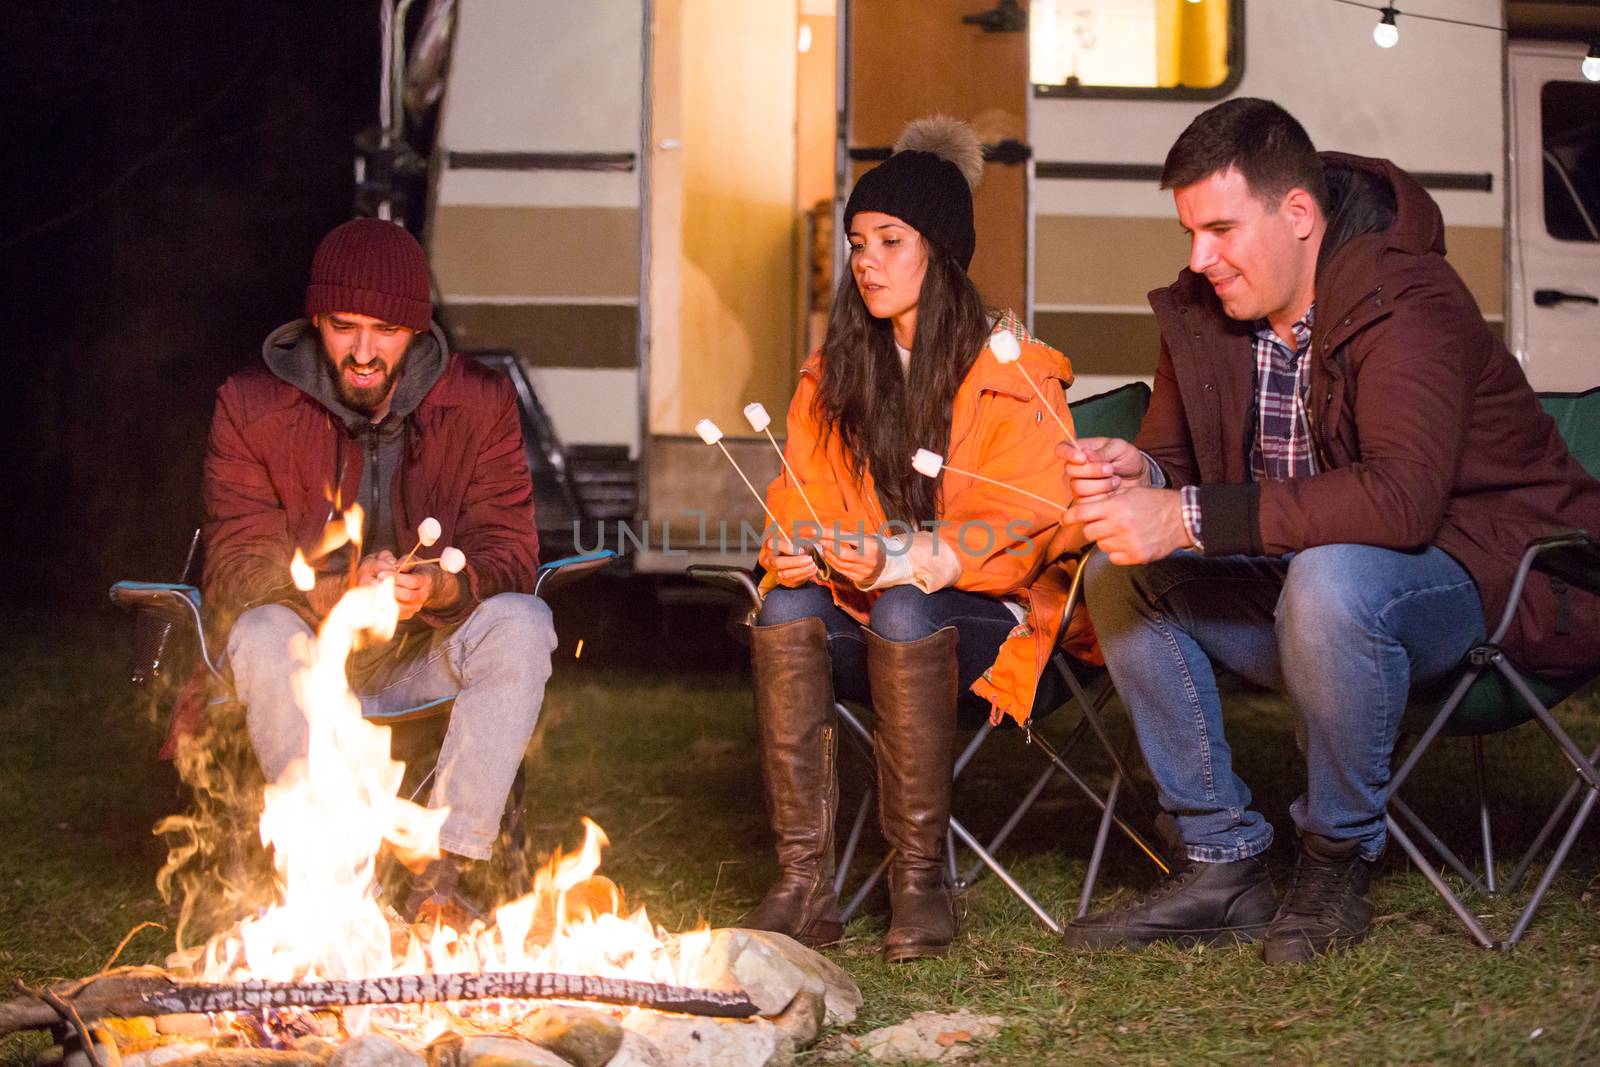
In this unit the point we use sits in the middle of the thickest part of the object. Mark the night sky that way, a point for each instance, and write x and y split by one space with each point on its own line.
172 168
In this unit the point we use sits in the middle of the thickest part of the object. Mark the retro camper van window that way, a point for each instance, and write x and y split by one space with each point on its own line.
1569 114
1135 47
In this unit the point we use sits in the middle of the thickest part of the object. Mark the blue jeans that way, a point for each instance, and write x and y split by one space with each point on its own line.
494 665
903 613
1343 631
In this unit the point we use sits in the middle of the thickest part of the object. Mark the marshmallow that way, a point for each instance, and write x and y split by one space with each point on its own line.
927 463
1005 347
428 531
452 559
757 416
708 431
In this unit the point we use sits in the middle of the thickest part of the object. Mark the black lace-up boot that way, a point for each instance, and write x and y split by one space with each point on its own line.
1198 904
1326 906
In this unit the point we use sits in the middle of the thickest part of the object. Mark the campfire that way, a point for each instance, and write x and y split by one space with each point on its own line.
328 973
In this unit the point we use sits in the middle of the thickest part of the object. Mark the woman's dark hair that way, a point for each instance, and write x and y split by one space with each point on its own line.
882 415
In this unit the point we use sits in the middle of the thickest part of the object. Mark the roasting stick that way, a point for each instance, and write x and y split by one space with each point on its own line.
711 435
451 560
1006 350
761 422
930 464
428 531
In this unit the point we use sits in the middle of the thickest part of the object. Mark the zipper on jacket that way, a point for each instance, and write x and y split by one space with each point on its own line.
370 520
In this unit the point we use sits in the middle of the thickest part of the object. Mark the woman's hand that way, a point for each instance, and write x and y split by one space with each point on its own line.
860 559
790 565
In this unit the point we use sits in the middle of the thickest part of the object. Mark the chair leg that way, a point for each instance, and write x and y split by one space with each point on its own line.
1481 788
1004 875
999 839
850 844
1095 798
1554 867
1092 875
1549 828
1451 860
1466 917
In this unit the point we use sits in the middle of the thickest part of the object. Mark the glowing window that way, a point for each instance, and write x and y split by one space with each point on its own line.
1183 48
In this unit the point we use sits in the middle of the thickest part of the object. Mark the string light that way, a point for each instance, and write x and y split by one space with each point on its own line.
1386 34
1591 63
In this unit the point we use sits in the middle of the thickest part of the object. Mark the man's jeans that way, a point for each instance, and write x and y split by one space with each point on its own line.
1342 630
495 665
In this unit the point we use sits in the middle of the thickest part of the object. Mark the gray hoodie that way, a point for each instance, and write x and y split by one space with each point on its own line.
294 353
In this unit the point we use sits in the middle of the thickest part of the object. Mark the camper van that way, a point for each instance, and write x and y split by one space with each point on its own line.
635 203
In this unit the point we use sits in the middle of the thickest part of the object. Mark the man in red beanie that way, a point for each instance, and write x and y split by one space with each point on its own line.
362 402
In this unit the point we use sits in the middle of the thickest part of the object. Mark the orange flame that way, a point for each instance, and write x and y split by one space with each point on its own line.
305 579
328 816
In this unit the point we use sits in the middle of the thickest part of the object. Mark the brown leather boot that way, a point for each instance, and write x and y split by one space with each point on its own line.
914 702
798 727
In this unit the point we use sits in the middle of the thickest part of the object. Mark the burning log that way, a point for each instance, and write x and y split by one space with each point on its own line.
143 993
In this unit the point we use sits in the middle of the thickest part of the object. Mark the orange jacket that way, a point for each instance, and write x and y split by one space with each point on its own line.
1007 544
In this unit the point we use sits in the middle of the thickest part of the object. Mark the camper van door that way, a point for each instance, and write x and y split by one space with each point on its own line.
1554 299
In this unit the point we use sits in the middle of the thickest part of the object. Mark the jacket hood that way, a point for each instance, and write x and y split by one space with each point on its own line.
1417 226
293 352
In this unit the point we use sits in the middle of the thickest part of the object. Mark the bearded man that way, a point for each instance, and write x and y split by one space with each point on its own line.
362 402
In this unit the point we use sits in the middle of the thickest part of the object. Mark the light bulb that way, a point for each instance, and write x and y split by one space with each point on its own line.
1386 34
1591 63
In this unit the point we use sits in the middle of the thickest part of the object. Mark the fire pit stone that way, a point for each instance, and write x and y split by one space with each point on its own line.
581 1036
685 1041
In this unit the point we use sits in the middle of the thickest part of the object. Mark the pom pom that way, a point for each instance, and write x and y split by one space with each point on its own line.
927 463
708 431
950 139
428 531
1005 347
757 416
452 559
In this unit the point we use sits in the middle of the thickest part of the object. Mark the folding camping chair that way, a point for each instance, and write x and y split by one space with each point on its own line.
162 608
1490 695
1114 413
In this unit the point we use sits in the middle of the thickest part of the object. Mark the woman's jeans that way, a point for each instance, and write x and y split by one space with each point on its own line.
1344 631
494 664
904 613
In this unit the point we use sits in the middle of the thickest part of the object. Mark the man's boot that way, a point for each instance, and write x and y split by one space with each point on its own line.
798 727
1198 904
1326 906
914 702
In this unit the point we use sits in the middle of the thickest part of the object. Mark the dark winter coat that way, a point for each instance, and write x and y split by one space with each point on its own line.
1425 428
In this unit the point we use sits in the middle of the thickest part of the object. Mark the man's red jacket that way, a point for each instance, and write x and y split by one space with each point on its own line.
278 458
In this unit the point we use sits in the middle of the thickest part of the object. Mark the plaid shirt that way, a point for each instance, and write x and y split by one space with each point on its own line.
1281 445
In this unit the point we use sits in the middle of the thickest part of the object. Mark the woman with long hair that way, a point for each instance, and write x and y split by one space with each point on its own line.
934 596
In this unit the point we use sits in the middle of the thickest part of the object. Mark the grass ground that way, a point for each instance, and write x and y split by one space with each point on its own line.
665 762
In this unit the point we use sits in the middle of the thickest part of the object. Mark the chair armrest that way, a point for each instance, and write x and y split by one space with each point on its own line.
735 580
569 569
1570 555
173 604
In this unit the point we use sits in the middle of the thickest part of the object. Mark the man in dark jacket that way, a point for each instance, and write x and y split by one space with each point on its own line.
1329 495
362 403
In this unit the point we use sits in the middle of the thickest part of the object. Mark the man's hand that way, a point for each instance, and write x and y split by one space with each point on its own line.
375 568
859 559
1136 525
792 566
1101 465
425 586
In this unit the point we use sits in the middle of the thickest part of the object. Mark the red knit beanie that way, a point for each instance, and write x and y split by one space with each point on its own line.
371 267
